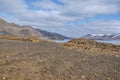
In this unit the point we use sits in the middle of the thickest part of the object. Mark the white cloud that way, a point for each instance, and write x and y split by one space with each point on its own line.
13 6
104 26
91 7
46 4
52 15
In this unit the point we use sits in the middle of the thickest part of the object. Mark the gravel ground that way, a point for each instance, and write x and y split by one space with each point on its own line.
51 61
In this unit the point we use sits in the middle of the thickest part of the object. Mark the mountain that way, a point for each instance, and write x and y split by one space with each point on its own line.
103 36
26 30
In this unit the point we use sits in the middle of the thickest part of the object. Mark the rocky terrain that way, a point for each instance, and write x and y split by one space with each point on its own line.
115 36
21 60
92 47
17 30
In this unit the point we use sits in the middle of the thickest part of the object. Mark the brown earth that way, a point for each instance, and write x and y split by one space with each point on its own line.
92 47
21 60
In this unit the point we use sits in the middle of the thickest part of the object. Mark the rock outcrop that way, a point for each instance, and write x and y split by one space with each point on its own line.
91 46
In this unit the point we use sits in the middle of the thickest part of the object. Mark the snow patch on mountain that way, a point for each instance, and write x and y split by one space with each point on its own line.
115 36
93 35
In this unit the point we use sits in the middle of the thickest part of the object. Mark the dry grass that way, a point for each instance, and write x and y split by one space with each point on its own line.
27 38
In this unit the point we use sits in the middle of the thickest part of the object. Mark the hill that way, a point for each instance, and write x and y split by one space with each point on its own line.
17 30
92 47
20 60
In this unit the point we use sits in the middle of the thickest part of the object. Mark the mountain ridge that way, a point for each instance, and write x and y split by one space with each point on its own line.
26 30
115 36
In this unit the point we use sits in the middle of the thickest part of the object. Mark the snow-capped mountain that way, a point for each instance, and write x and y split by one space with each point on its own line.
115 36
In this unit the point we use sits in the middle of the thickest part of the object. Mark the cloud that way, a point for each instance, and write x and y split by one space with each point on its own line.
62 15
21 10
13 6
47 4
105 26
90 7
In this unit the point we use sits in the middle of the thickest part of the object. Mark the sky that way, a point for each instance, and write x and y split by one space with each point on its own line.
73 18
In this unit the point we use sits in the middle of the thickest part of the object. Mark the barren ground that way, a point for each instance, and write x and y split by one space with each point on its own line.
51 61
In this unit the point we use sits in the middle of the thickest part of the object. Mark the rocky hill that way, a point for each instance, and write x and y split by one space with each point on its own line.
17 30
103 36
93 47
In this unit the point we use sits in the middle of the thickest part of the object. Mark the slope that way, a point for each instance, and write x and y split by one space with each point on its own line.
17 30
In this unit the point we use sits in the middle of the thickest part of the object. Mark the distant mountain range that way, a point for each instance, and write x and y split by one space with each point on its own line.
17 30
115 36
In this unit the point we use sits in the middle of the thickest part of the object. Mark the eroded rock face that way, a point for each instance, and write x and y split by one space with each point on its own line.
92 46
